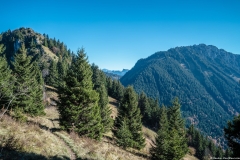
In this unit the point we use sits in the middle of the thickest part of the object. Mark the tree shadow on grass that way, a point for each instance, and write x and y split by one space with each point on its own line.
9 154
114 103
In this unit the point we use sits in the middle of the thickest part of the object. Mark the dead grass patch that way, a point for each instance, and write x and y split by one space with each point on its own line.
29 138
50 53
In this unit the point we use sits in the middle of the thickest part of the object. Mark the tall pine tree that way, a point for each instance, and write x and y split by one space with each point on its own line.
6 81
124 136
161 148
98 79
178 141
78 107
129 111
28 91
232 134
145 108
52 77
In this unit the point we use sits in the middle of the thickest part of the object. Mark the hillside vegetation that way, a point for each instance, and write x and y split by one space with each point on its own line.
41 138
48 92
205 78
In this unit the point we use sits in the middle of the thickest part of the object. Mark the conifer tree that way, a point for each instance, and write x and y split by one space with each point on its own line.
131 113
213 149
119 90
37 93
232 135
219 152
78 106
105 109
98 80
178 141
109 83
145 109
199 145
124 136
155 114
50 43
32 43
202 144
6 81
45 42
29 92
61 70
161 149
228 153
116 89
52 77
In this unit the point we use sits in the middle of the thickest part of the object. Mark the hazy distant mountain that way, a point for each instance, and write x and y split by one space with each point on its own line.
115 74
205 78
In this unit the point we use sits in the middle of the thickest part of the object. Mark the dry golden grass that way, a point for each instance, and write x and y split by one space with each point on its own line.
113 103
50 120
29 138
189 157
50 53
105 149
149 138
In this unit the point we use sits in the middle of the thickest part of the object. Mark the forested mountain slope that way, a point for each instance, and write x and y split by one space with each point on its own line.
205 78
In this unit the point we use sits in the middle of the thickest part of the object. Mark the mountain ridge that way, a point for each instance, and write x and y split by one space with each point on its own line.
117 72
204 77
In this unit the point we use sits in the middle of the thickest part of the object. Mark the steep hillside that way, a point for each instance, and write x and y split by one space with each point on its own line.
42 48
205 78
41 138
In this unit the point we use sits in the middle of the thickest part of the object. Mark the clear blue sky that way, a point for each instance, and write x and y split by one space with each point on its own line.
116 33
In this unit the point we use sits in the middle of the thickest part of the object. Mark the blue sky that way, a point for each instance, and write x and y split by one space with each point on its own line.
116 33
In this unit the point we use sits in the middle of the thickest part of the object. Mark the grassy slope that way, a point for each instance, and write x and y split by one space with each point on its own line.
41 138
50 53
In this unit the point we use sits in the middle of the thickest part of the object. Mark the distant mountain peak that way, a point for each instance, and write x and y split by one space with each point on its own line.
115 74
205 78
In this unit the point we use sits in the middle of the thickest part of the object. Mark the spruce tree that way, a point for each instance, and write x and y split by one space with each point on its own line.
228 153
52 77
213 149
109 83
155 114
116 89
129 111
119 90
232 135
161 148
32 43
6 81
98 79
61 69
45 42
37 93
123 135
78 102
29 93
178 141
145 109
199 145
105 109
